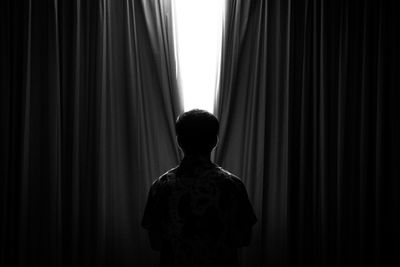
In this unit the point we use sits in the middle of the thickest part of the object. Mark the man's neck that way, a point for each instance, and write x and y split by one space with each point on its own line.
203 157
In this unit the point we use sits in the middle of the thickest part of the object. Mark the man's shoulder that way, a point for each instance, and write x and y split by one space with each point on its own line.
227 176
235 182
168 174
230 178
165 177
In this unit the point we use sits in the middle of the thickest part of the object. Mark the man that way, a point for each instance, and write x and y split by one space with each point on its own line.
198 214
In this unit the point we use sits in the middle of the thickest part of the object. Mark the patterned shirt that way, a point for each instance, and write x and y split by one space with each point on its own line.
199 211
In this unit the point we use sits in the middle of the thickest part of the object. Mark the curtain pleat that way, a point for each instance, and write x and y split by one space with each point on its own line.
87 116
308 110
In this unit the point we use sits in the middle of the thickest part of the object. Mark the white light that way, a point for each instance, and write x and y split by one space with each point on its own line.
198 40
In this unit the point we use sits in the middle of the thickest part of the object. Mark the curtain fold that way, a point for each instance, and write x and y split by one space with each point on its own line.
309 121
88 108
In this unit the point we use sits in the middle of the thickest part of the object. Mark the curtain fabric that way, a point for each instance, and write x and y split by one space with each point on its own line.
309 121
88 103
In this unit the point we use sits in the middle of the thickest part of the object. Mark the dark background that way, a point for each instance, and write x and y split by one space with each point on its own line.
309 113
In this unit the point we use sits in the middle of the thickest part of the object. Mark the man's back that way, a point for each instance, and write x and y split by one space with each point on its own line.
201 214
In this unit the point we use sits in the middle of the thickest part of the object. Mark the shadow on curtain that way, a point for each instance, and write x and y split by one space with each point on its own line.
87 119
310 122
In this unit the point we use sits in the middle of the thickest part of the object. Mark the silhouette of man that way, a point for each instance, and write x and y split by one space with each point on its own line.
198 214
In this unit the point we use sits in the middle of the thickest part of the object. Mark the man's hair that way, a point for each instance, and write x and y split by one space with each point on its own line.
197 131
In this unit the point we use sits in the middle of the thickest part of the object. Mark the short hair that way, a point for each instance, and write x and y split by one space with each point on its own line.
197 131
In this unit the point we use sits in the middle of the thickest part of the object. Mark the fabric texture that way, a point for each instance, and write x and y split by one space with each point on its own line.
199 210
87 121
308 105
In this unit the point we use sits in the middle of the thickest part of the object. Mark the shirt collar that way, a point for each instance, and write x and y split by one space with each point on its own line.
193 163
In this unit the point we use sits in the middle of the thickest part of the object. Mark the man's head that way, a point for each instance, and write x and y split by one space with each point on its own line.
197 131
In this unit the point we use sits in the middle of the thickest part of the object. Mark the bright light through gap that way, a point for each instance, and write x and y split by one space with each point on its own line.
198 40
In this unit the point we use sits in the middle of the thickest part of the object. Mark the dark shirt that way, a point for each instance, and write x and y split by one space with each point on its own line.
200 212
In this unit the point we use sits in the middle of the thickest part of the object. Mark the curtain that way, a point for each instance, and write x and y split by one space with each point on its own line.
88 104
310 122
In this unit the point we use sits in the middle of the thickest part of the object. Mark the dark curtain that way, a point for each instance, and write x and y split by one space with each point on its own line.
309 109
87 123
